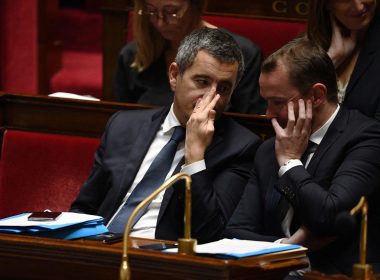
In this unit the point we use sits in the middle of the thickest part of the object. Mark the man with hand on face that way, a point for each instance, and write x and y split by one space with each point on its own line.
208 67
323 158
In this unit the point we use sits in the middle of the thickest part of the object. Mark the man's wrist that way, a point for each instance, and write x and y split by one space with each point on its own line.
288 165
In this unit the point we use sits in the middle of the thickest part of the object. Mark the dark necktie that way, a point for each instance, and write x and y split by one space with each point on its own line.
152 179
310 149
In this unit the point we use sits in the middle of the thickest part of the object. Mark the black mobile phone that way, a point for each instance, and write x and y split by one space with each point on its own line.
44 216
107 238
158 246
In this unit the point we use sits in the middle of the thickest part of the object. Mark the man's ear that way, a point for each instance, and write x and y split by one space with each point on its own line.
319 94
173 75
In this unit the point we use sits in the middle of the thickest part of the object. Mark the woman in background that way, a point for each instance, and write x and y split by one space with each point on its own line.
349 30
158 28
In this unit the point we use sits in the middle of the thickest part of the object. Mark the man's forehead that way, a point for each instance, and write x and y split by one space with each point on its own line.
206 64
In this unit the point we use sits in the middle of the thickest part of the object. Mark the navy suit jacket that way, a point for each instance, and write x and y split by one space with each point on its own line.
363 90
215 191
345 166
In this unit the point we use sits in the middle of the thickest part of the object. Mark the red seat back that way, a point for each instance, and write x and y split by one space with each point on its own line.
269 35
41 171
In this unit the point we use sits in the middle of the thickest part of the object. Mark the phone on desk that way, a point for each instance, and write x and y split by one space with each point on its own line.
44 216
110 238
158 246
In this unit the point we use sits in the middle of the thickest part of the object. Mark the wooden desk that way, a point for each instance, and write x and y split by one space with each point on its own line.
80 117
24 257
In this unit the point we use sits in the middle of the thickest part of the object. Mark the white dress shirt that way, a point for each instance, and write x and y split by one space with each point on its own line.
146 226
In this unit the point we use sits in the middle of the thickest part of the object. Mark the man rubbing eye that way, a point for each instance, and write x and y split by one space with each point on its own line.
323 159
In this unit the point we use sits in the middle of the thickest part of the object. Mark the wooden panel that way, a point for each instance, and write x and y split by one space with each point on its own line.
23 257
115 26
288 10
79 117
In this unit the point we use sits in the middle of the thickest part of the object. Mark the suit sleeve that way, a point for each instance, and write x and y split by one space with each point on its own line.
216 193
353 174
247 220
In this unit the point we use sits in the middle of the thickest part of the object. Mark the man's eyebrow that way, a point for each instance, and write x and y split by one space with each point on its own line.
204 76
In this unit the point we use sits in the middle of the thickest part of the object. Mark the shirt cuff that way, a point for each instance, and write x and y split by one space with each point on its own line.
288 165
194 167
278 240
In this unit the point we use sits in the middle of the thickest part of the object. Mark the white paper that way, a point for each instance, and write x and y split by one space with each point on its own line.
73 96
240 248
63 219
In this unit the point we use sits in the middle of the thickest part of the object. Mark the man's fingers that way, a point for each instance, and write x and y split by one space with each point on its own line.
204 102
308 117
291 116
301 117
213 102
276 126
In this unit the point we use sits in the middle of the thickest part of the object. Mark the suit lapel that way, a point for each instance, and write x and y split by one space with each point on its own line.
338 125
366 56
146 134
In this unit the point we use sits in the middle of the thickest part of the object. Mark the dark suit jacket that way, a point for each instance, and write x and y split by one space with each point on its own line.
363 90
215 191
345 166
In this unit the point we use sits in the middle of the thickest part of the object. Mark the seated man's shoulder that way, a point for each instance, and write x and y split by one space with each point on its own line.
361 122
132 116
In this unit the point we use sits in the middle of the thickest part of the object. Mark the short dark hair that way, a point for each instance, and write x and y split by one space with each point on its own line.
215 42
306 64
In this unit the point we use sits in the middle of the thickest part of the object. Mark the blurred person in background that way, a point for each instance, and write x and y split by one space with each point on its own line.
158 28
349 30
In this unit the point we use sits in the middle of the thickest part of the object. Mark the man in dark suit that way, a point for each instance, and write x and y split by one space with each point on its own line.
295 193
217 152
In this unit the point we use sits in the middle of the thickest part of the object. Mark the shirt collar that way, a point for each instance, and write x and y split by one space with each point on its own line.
317 136
170 121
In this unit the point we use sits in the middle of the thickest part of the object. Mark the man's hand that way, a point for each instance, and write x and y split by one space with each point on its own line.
342 45
200 128
291 142
306 238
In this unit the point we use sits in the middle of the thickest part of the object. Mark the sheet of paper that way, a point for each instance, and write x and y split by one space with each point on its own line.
66 218
74 96
240 248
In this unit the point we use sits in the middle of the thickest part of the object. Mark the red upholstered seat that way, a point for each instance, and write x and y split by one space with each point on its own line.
269 35
41 171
